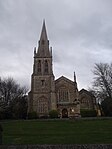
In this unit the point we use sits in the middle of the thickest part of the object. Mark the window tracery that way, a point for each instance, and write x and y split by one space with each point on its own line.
42 105
63 95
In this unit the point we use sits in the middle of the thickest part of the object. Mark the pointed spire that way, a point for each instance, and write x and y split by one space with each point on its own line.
43 33
43 47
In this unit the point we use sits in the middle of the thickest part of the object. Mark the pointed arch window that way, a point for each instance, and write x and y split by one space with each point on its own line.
39 66
42 105
63 95
46 67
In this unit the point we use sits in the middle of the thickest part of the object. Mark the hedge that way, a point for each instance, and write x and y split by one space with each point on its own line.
32 115
53 114
88 113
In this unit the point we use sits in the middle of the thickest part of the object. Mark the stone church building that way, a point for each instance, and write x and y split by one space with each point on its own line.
49 94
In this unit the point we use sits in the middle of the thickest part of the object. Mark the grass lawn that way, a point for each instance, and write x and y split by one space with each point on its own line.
57 131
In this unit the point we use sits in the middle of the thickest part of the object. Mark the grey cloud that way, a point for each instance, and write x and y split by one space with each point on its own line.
79 32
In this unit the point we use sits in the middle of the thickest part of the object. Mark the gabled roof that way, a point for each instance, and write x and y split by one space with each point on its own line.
65 79
87 92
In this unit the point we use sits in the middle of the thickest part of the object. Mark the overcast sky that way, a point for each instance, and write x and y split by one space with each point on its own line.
80 32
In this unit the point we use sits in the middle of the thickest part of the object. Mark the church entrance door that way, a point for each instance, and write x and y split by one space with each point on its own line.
64 113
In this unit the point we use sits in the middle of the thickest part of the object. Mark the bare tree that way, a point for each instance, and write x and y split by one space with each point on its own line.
13 99
10 90
102 84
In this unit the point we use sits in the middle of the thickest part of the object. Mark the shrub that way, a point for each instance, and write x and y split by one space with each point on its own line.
1 129
53 114
2 115
5 114
32 115
107 106
43 116
88 113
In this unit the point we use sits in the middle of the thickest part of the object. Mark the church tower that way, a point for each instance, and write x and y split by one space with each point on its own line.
42 96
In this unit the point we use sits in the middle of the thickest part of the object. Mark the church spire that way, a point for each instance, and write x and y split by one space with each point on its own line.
43 47
43 32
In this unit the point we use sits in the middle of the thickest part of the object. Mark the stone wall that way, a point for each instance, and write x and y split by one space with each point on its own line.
87 100
91 146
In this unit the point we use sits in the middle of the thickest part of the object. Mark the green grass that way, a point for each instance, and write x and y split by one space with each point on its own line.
57 132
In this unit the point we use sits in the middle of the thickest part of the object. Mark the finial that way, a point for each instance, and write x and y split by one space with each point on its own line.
43 21
43 32
74 77
51 50
34 50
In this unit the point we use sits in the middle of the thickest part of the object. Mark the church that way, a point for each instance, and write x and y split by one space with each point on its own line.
49 94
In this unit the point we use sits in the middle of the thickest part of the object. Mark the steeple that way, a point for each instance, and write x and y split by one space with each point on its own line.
43 46
43 32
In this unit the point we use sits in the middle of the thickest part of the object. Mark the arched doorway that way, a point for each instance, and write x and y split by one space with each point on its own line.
64 113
